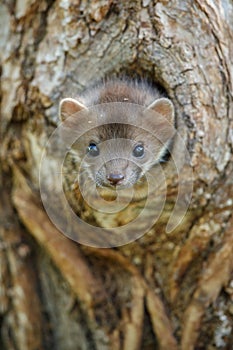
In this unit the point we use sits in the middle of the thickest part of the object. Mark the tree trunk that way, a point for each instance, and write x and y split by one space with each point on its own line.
165 290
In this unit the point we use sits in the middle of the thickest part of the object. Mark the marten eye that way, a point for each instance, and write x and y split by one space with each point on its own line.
93 149
138 151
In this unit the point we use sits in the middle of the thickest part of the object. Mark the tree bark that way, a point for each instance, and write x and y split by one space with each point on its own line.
165 290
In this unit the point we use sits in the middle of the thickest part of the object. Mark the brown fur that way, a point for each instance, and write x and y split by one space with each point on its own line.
125 137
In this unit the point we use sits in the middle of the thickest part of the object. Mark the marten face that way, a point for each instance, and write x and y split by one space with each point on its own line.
118 154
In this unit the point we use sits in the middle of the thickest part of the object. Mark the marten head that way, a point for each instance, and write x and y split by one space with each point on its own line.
126 140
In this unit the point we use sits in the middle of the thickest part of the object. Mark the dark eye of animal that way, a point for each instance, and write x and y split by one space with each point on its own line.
138 151
93 149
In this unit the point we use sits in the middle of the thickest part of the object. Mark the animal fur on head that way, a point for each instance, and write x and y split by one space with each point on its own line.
133 130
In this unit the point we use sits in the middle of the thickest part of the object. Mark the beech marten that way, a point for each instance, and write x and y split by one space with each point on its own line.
134 132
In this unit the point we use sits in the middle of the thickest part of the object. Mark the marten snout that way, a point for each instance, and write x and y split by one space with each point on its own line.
115 170
115 179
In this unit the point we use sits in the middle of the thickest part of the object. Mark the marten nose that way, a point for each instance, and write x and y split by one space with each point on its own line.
114 179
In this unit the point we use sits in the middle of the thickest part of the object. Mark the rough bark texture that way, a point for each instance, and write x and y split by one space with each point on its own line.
164 291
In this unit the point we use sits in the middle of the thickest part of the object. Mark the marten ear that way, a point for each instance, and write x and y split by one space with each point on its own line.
164 107
69 107
162 121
